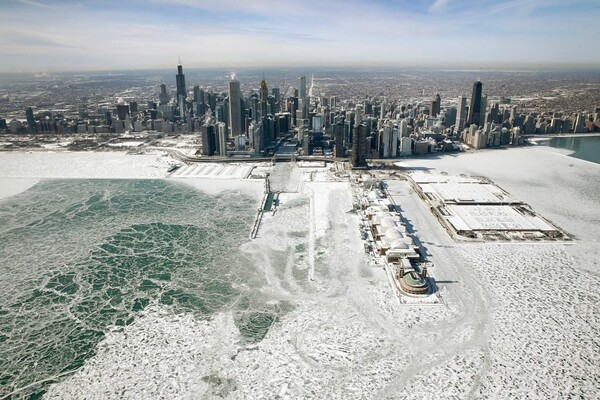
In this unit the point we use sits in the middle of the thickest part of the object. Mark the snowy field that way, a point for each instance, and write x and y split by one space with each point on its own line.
93 165
520 320
21 170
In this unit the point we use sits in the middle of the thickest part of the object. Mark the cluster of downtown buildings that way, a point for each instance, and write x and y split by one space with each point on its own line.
253 124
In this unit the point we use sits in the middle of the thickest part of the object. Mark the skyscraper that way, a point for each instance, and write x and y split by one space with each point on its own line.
436 105
276 92
303 97
359 146
461 112
475 107
235 108
163 97
207 139
264 99
197 94
31 127
180 81
338 134
302 90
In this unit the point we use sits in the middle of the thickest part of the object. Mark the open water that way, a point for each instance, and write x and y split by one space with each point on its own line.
583 147
79 257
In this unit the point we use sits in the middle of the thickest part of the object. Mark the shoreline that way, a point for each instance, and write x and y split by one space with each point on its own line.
345 316
550 136
20 170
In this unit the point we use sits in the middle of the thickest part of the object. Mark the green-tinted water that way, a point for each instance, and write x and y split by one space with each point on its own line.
79 257
583 147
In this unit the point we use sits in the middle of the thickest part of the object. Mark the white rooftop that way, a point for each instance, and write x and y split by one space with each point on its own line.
426 177
467 192
471 217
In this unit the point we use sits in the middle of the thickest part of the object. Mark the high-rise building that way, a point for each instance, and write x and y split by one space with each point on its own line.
359 146
302 90
405 146
333 102
108 118
207 139
180 81
255 137
388 143
475 108
264 99
254 107
435 106
122 111
317 123
235 108
221 139
449 116
579 125
163 97
403 131
338 135
271 108
303 97
31 127
276 92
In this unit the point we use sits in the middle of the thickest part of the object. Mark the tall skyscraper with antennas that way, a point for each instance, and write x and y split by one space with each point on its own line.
475 106
180 81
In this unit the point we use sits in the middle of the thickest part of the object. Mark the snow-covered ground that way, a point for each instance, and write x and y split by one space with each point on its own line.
91 165
21 170
11 186
520 320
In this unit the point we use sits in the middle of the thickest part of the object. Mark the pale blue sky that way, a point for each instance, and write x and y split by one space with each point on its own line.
49 35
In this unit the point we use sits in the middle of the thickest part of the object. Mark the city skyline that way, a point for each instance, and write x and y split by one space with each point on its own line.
93 35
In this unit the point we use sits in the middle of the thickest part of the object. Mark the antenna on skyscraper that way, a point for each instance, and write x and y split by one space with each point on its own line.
479 75
179 59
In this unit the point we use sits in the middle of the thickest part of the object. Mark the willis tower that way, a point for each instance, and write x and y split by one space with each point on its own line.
180 81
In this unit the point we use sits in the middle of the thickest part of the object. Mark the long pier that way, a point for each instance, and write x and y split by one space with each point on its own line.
266 205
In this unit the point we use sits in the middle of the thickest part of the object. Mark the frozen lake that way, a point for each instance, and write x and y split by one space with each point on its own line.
81 258
148 288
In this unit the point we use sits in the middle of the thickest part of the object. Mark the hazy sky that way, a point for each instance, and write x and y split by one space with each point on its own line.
48 35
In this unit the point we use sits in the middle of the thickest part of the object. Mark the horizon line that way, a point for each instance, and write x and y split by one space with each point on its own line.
467 67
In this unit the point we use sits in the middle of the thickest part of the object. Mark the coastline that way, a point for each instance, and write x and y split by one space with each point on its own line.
550 136
341 338
20 170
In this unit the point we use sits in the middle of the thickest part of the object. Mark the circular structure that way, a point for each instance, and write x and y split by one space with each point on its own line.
412 283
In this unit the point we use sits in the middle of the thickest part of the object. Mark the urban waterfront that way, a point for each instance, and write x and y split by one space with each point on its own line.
365 199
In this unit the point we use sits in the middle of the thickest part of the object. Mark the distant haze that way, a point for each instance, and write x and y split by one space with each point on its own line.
45 35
